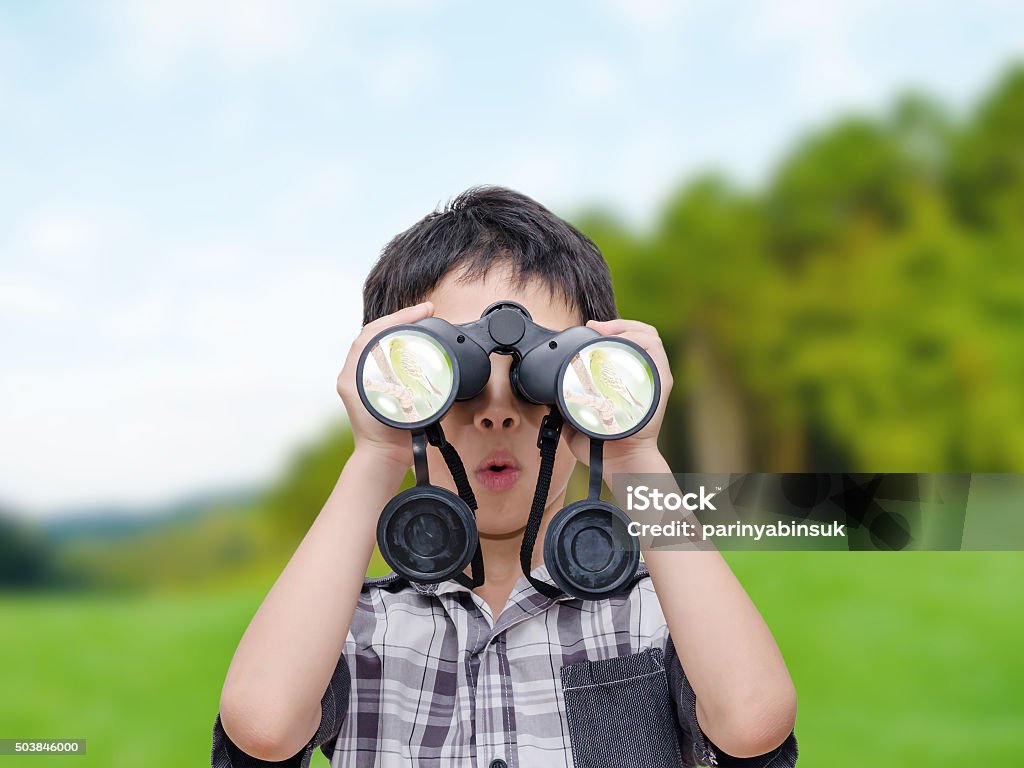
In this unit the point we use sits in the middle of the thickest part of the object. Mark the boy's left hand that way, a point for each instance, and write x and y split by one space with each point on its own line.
629 454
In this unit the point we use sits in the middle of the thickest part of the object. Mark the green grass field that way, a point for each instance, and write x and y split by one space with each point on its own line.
899 659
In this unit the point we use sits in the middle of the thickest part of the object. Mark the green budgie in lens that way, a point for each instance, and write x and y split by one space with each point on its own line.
407 369
611 385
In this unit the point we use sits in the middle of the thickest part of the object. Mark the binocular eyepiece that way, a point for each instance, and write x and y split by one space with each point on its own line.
606 387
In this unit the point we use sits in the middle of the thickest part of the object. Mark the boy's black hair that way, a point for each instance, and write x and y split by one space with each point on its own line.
484 227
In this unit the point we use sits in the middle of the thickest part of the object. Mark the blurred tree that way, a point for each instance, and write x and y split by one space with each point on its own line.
987 178
296 498
25 561
864 312
842 188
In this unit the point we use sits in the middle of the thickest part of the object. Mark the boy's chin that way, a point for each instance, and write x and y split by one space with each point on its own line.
503 529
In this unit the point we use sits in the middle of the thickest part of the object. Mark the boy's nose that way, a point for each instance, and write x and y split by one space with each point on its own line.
497 405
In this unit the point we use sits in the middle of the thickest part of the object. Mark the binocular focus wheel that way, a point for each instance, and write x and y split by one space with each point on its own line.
427 534
588 550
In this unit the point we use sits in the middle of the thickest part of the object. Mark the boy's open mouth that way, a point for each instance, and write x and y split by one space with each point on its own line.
498 472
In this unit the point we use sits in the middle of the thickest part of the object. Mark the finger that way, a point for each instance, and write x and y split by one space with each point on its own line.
652 345
648 341
619 325
405 315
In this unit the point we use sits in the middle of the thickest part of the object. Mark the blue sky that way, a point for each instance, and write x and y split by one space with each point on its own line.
191 192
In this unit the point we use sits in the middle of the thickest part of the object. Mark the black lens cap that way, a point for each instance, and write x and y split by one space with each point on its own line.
427 534
588 550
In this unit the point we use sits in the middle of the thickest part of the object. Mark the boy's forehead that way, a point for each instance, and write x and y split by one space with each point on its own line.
460 300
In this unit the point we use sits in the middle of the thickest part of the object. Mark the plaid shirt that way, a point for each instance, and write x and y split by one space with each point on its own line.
428 677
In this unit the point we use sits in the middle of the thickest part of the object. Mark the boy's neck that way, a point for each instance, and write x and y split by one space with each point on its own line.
501 561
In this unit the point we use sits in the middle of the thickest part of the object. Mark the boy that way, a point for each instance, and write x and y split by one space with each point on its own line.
384 672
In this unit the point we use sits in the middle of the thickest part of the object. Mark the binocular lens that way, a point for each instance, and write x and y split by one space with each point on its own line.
408 378
427 534
608 388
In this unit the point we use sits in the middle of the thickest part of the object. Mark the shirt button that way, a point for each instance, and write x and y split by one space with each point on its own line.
498 763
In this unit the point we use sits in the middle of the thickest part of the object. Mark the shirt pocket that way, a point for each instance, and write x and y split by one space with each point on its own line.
620 713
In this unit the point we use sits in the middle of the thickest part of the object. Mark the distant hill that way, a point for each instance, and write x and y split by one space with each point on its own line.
119 521
190 542
125 546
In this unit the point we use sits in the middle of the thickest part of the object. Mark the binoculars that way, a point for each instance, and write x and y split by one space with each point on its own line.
606 387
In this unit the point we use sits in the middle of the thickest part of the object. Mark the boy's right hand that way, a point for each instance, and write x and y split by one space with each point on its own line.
391 444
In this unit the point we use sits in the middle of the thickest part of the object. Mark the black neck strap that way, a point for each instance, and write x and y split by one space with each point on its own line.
547 441
435 436
596 469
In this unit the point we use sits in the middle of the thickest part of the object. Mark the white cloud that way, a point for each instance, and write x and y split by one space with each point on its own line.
545 173
818 41
318 197
161 35
10 52
204 374
159 38
649 14
77 235
58 256
142 364
25 298
394 76
133 433
593 78
641 170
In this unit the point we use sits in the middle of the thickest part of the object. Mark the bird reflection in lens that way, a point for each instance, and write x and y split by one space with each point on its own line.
608 388
407 376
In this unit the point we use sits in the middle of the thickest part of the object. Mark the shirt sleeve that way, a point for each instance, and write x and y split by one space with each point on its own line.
698 747
334 704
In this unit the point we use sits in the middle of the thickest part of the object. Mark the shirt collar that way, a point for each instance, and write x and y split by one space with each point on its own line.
451 585
522 584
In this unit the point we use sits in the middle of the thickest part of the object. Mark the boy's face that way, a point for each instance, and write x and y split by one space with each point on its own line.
495 433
